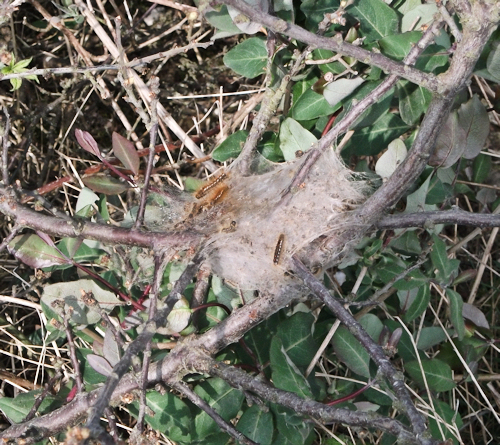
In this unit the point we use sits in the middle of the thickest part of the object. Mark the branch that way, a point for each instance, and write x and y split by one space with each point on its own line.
376 352
428 219
185 390
184 357
357 110
89 230
476 31
337 45
138 345
309 408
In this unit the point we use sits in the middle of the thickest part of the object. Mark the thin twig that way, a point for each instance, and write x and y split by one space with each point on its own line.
72 349
153 124
48 387
160 265
5 148
88 230
429 219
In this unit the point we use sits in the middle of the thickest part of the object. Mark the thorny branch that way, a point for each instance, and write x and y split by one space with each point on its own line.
192 353
138 345
310 408
376 352
337 45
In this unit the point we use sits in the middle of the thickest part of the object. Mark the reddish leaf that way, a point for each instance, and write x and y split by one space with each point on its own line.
125 151
105 184
87 142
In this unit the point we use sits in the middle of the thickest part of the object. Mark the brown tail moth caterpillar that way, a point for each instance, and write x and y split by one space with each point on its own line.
200 193
278 249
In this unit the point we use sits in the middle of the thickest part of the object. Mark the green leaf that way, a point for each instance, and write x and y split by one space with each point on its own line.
243 23
315 11
481 168
447 269
285 373
311 105
231 147
16 83
262 334
16 409
413 280
171 416
397 46
416 202
104 184
291 428
370 141
493 61
408 243
35 252
296 336
337 91
450 423
456 317
437 373
438 192
419 304
71 292
473 119
430 336
294 137
372 113
257 425
268 147
125 151
220 396
332 67
89 374
377 20
222 21
248 59
20 66
390 160
372 325
450 143
350 351
413 101
422 14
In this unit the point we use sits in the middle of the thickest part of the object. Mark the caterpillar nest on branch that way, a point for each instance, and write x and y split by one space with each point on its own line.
250 236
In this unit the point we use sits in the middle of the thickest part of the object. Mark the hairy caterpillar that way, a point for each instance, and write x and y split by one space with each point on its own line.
278 249
200 193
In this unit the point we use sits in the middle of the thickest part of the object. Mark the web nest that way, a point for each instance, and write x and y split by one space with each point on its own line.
251 235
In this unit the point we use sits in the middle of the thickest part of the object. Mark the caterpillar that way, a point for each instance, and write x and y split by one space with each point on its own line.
206 188
278 249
